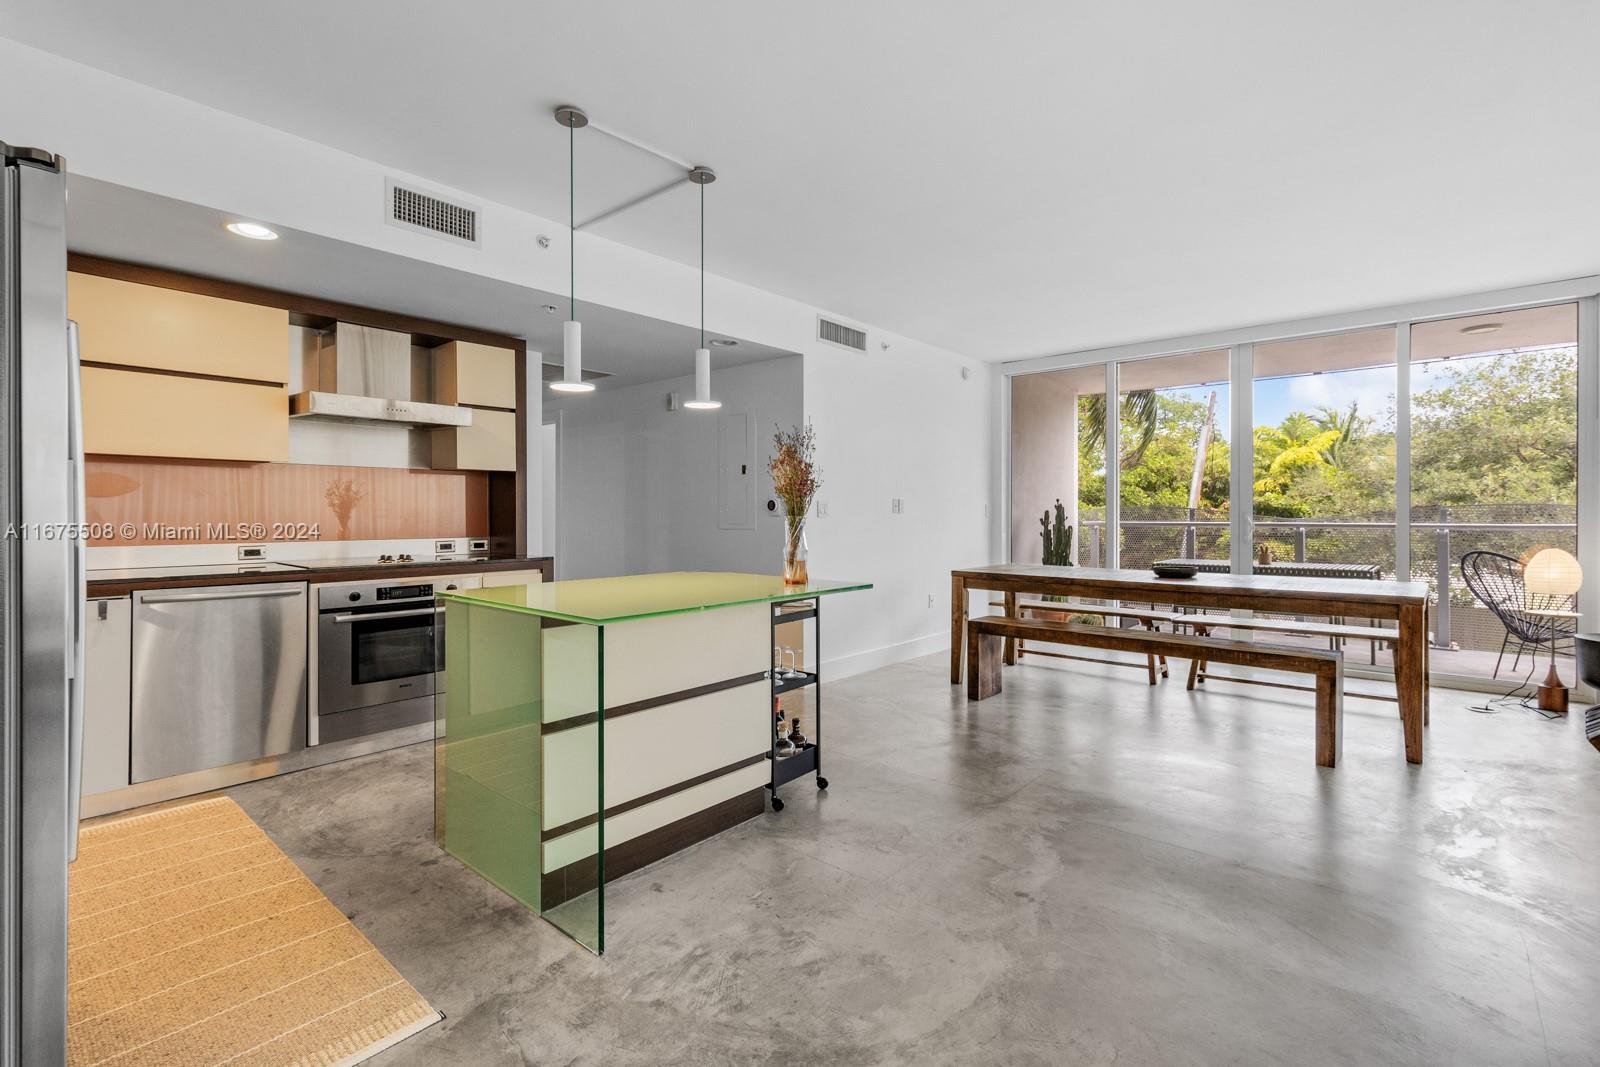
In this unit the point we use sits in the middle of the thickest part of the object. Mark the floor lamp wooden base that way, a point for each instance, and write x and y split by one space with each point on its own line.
1552 694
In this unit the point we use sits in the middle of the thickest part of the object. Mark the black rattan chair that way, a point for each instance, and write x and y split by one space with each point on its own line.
1496 580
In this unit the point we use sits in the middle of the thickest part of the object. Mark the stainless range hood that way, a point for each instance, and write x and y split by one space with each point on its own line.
364 373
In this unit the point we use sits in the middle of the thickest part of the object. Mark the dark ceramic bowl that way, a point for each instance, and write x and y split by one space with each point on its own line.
1174 571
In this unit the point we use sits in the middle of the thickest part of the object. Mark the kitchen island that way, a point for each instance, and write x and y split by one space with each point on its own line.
547 795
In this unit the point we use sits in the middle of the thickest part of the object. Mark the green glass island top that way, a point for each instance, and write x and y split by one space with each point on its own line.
598 601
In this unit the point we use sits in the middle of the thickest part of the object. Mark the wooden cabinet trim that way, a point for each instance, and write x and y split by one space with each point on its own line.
100 365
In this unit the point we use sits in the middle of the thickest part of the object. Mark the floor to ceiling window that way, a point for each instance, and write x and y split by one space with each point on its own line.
1324 460
1494 468
1389 452
1174 458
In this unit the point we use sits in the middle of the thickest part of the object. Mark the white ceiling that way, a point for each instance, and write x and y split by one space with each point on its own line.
1004 179
121 223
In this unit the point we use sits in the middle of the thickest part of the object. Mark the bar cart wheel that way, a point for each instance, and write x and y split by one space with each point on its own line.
822 783
777 804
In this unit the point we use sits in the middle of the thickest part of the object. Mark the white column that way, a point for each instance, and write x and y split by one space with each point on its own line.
1241 453
1111 549
1589 459
1402 451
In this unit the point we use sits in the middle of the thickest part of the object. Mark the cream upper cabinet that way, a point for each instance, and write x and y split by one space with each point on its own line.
137 413
479 375
489 444
135 325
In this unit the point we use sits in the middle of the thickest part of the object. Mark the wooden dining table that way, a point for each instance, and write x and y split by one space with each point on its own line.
1406 603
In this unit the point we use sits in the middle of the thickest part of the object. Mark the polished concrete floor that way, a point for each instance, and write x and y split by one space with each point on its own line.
1082 870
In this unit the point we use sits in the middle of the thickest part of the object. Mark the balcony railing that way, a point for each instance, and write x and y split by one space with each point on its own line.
1437 563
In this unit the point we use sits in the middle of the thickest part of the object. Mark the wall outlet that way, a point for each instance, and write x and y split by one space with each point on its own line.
252 551
895 507
822 509
930 600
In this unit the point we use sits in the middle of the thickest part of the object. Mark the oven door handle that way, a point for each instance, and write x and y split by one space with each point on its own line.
359 617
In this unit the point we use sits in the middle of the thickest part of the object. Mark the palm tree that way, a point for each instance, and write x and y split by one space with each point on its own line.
1288 449
1350 424
1138 412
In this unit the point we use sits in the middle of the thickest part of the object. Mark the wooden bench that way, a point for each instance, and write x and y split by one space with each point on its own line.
1204 624
986 638
1151 619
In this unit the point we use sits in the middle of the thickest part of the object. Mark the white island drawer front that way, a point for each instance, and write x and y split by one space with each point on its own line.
579 845
648 751
649 658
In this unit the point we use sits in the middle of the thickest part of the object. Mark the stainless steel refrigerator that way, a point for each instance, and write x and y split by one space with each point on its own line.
41 606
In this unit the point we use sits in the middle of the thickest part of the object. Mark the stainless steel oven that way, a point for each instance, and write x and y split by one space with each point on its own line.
380 646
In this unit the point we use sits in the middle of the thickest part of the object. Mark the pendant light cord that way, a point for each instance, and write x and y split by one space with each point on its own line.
572 219
702 266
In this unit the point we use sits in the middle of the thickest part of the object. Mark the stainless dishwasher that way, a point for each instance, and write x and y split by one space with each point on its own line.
219 676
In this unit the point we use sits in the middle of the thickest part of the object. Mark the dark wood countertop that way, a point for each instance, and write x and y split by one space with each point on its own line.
316 574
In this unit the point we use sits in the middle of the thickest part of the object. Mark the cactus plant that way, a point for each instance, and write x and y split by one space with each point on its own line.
1057 537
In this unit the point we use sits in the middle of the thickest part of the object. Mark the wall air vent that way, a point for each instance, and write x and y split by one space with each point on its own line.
417 210
837 333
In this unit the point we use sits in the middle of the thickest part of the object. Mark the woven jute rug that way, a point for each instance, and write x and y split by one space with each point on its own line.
194 941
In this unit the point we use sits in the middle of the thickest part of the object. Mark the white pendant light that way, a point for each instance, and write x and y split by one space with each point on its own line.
702 176
572 330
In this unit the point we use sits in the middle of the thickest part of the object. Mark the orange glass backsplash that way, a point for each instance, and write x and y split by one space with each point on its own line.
169 501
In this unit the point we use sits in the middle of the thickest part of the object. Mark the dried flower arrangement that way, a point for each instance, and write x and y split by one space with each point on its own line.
795 482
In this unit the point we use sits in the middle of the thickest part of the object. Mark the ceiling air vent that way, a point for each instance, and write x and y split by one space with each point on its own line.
418 210
837 333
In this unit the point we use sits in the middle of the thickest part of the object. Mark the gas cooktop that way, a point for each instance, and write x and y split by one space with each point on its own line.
398 560
196 570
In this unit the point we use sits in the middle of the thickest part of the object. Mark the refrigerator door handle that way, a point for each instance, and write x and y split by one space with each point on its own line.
78 592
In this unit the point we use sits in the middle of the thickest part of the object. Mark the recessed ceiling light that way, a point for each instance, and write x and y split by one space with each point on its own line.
724 342
253 230
1481 327
550 309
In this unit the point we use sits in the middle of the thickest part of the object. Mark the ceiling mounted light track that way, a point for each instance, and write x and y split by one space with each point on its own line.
574 118
572 330
702 176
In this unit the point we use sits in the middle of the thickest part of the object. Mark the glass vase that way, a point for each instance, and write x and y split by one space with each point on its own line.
794 551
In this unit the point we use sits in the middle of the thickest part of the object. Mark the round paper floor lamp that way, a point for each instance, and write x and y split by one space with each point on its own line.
1550 576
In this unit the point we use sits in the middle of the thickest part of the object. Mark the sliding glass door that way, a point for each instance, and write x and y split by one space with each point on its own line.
1494 469
1173 458
1324 453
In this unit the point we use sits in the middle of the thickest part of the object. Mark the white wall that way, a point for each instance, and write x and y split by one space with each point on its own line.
901 422
639 482
897 422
